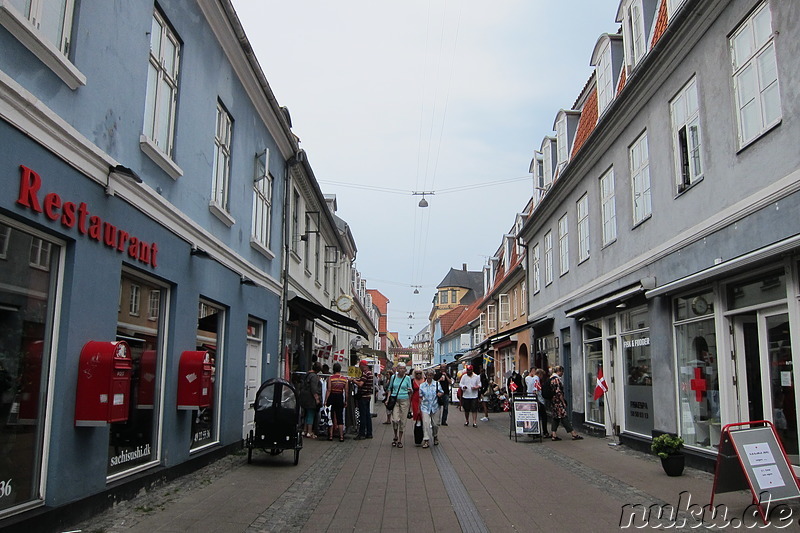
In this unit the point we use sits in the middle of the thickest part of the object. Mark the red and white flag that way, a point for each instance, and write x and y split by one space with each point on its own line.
602 386
324 351
338 357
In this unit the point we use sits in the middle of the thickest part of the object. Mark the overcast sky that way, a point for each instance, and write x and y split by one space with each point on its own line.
450 97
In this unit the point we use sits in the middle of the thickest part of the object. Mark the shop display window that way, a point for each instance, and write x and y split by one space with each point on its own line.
698 375
635 338
133 443
209 339
27 308
593 356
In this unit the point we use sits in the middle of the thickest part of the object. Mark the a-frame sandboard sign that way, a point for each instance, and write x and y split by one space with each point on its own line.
751 456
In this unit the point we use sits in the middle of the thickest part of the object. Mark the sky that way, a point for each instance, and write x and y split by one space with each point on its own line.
447 98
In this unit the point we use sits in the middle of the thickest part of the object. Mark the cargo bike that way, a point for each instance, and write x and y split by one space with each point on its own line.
277 420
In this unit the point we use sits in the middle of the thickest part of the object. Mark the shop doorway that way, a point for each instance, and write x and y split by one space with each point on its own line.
252 381
764 373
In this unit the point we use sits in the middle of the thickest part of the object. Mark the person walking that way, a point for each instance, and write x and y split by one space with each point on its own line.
470 386
336 398
311 399
485 395
558 405
386 380
443 379
365 389
539 376
400 387
530 380
429 393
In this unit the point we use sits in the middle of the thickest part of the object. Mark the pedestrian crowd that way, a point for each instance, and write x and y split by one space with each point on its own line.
423 397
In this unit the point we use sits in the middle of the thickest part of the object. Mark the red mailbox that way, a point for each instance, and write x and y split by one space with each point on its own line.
104 383
194 380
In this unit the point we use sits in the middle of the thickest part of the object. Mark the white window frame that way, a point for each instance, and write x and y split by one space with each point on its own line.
295 220
582 208
515 309
262 204
609 207
548 258
686 135
636 45
536 268
39 256
605 82
562 150
154 304
504 308
563 245
639 159
162 86
220 184
317 252
756 61
491 317
547 163
134 303
51 48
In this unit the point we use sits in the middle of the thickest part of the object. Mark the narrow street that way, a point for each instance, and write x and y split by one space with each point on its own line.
476 480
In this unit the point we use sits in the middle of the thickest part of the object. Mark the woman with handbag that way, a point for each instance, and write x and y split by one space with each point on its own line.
398 397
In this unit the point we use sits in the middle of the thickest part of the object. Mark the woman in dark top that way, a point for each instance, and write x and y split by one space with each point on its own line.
337 399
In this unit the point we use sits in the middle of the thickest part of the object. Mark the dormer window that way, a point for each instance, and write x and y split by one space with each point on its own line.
561 139
566 125
605 83
634 26
549 161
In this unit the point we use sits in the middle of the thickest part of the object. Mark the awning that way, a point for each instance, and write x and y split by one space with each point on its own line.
625 293
762 254
337 320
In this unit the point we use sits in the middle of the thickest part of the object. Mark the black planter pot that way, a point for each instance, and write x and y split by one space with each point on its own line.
673 464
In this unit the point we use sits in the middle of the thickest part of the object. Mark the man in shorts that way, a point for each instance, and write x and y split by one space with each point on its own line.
470 386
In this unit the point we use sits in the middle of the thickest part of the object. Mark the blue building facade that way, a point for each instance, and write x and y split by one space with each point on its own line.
143 162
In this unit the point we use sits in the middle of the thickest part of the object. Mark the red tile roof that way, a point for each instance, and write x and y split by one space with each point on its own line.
622 78
661 23
586 123
470 313
449 318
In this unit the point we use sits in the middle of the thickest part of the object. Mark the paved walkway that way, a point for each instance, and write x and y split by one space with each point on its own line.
477 480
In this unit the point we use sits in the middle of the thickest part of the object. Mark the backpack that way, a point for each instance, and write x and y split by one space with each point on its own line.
547 389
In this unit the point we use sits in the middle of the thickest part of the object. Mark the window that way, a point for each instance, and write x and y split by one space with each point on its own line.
755 75
453 296
162 86
635 32
444 299
515 310
609 207
593 360
637 358
536 269
605 82
547 162
505 309
295 221
5 237
317 246
685 112
583 228
40 254
548 258
491 314
28 303
52 18
563 245
222 158
154 305
210 339
640 179
561 140
262 200
307 248
134 301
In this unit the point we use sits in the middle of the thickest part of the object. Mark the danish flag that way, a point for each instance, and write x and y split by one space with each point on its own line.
602 386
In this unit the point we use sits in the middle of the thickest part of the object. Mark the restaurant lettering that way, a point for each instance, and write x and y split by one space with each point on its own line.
78 216
132 455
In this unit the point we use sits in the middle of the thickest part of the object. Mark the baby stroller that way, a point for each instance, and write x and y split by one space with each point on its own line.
277 420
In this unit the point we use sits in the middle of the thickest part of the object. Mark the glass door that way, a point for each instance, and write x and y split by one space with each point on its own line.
765 379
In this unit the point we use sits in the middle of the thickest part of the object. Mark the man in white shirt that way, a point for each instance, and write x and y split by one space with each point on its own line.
530 382
470 385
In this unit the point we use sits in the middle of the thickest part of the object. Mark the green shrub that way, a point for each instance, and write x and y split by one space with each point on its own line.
666 445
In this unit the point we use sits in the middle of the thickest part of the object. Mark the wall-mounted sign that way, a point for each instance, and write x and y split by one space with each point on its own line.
78 216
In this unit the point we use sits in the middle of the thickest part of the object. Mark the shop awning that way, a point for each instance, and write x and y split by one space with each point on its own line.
617 296
729 266
329 316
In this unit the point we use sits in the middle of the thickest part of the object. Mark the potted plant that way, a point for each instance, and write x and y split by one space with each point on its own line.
668 448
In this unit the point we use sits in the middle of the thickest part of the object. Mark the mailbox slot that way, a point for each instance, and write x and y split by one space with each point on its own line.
104 383
194 380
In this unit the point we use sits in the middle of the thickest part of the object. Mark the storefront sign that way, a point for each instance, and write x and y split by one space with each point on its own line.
636 343
71 215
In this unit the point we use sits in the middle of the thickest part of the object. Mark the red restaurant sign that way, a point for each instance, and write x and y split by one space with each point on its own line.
72 215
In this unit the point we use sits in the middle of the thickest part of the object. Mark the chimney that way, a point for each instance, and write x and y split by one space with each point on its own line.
464 267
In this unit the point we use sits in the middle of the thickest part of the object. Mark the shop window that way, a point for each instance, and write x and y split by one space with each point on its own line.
593 358
27 309
698 376
210 323
638 402
756 291
134 444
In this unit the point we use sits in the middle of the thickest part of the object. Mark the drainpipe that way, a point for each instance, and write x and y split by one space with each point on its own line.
284 267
